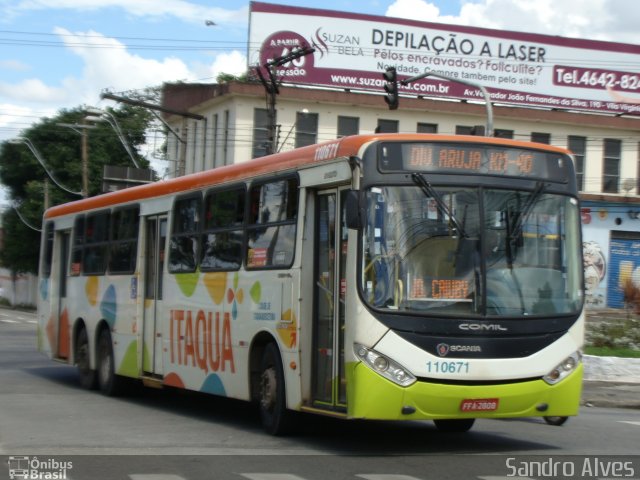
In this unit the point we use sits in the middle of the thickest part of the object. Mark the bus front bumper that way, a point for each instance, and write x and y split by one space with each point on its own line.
374 397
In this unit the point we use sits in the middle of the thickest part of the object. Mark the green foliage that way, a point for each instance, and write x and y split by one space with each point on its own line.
618 334
61 149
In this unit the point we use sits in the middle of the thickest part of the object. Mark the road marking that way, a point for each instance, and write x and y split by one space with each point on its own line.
630 423
7 320
271 476
154 476
386 476
32 321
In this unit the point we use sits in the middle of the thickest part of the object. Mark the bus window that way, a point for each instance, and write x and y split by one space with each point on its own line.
124 240
183 248
78 245
272 230
96 237
48 253
223 230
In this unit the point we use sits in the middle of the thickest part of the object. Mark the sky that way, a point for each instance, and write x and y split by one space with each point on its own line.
57 54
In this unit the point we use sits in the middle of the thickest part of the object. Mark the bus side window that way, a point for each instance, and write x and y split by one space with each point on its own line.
185 233
123 248
47 258
223 230
271 232
96 237
78 246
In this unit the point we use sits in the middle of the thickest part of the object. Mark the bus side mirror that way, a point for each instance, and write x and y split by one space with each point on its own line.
352 210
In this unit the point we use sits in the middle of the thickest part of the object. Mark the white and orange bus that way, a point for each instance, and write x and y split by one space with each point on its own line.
399 276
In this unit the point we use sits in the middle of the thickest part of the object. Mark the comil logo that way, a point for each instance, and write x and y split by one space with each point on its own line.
27 468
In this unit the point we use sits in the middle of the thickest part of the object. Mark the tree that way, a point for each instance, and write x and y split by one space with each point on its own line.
61 149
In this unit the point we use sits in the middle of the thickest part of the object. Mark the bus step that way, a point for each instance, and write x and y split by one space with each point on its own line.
153 382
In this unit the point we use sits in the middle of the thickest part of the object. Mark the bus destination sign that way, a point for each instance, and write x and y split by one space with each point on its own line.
472 159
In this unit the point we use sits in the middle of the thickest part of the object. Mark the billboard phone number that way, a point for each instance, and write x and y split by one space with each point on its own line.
595 78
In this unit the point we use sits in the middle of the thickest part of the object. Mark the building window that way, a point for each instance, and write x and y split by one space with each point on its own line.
539 137
225 137
502 133
427 128
306 128
611 167
578 146
215 140
387 126
463 130
348 126
260 132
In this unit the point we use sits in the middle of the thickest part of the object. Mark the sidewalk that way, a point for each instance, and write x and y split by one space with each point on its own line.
611 382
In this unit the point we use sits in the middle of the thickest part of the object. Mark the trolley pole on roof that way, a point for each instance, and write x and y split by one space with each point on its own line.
272 90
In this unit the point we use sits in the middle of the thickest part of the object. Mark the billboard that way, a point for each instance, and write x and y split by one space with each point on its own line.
352 50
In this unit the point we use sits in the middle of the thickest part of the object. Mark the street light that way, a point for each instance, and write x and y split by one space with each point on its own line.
38 156
104 116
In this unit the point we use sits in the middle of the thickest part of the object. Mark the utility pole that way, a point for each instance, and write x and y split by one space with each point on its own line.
272 90
85 161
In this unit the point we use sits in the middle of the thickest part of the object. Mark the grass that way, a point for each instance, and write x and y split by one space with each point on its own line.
612 352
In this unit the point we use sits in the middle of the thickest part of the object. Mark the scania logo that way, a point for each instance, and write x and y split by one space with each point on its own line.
482 327
443 349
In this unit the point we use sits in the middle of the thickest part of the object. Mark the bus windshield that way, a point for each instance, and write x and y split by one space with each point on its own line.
471 251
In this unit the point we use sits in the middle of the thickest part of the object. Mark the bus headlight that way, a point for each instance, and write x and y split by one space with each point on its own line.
384 366
563 369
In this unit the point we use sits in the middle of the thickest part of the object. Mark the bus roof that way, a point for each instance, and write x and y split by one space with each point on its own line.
300 157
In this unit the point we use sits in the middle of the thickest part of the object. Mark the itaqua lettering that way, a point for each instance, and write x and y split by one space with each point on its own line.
206 345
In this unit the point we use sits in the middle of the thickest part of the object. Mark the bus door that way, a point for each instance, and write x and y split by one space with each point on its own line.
64 331
329 381
154 255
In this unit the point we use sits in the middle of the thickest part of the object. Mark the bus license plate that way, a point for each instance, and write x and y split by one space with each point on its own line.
479 405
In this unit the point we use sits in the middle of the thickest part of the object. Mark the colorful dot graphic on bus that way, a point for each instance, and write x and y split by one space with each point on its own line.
44 288
129 365
216 284
91 289
256 292
64 343
235 296
187 282
213 384
109 306
173 380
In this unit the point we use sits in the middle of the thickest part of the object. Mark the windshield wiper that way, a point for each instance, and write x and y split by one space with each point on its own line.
526 209
431 192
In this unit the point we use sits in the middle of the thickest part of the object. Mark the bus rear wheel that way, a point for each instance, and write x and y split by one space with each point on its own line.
88 377
110 384
455 425
276 418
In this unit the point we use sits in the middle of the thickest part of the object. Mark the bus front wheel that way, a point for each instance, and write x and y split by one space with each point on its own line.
556 421
272 399
455 425
110 384
88 377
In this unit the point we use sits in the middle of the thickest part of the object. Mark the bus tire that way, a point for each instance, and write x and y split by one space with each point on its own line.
556 421
88 377
272 401
110 384
460 425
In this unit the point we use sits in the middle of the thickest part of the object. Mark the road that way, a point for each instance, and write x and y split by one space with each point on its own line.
169 435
